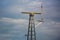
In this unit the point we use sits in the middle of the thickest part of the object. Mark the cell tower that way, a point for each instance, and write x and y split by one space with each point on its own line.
31 35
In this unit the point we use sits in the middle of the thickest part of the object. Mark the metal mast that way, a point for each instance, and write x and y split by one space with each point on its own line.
31 28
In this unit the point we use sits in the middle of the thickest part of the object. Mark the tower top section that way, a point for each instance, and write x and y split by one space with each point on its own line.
31 13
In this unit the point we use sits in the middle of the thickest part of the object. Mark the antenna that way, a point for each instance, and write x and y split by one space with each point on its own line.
31 35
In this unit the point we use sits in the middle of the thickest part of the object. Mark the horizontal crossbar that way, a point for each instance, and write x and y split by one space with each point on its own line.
31 13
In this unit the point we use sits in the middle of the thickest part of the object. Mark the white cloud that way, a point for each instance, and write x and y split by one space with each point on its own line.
19 6
14 21
25 0
34 6
35 3
53 24
15 9
17 21
49 27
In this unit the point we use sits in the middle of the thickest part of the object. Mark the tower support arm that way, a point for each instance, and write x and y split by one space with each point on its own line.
31 13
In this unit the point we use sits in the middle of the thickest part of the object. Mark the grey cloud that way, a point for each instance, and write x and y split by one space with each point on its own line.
52 10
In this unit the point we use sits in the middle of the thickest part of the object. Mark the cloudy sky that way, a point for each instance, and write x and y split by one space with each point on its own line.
14 24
